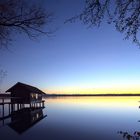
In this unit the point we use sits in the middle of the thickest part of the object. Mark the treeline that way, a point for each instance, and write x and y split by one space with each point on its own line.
129 94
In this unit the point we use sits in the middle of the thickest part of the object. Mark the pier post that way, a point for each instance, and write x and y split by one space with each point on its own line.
17 106
3 110
2 107
9 109
12 108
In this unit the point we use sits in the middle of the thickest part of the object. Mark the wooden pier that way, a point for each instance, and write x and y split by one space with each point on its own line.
21 97
13 106
23 119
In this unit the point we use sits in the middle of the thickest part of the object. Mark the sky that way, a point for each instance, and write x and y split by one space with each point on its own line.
75 59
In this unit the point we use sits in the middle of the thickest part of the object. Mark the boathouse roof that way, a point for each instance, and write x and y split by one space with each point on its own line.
31 89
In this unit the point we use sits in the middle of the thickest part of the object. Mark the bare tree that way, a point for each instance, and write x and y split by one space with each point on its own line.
22 16
125 14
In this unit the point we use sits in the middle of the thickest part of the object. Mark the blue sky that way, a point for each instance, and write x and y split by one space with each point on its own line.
76 59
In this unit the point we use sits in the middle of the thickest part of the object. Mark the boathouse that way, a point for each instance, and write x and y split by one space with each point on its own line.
25 94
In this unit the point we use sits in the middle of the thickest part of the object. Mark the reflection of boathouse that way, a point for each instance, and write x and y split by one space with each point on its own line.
24 119
25 94
25 106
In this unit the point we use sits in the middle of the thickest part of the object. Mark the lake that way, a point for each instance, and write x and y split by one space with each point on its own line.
77 118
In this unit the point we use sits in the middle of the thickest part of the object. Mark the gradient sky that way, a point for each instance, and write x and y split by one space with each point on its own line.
76 59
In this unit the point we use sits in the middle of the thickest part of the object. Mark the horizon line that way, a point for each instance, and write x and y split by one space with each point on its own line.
108 94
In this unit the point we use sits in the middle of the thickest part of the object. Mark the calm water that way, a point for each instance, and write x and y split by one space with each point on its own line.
77 118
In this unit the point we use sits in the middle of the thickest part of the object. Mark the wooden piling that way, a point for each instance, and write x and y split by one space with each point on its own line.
9 109
13 106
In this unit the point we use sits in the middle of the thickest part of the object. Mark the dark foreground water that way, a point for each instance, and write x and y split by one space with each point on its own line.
77 118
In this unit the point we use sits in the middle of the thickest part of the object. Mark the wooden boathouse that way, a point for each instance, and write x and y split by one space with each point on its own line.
25 94
22 96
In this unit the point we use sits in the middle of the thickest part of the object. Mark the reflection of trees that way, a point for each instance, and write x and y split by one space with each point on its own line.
128 136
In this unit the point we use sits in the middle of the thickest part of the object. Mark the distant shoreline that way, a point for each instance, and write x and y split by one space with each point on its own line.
55 95
79 95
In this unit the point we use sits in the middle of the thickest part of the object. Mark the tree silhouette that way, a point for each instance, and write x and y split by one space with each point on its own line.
125 14
128 136
22 16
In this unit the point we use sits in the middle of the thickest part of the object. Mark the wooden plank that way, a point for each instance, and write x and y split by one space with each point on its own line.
5 103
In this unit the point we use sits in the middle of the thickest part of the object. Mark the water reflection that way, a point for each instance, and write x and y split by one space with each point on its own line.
25 118
81 118
130 136
98 117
